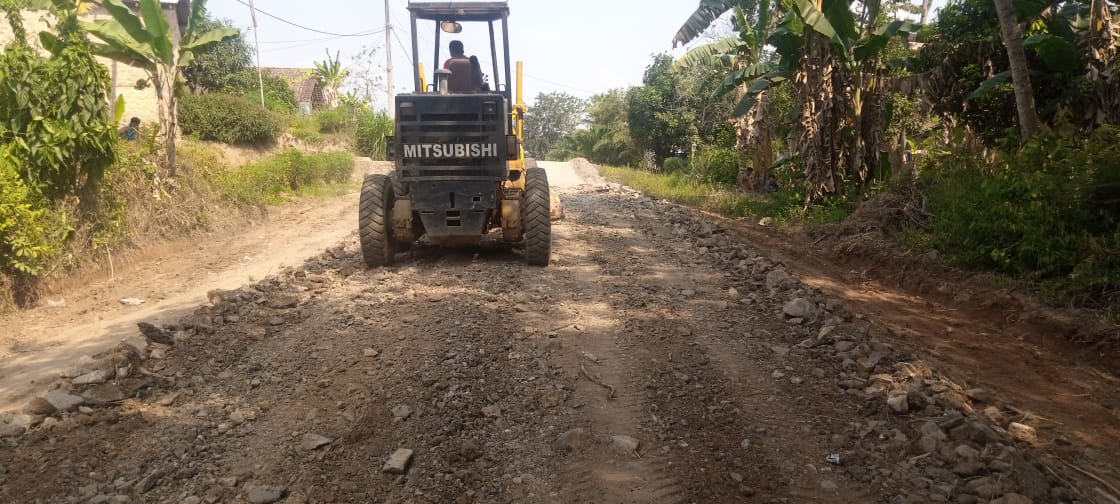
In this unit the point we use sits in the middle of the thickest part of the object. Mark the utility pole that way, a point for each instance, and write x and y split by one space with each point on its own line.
257 42
389 59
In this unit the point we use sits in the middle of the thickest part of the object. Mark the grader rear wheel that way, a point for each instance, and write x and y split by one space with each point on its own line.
375 232
535 219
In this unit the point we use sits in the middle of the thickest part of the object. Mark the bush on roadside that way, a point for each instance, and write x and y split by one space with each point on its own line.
372 128
333 120
30 232
1048 211
278 95
228 119
674 165
715 165
266 181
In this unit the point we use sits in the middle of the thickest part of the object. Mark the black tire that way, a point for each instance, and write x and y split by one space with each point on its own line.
375 232
534 217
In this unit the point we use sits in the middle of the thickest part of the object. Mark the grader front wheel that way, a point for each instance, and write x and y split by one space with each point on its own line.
535 219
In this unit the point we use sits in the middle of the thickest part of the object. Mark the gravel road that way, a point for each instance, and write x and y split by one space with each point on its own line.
657 360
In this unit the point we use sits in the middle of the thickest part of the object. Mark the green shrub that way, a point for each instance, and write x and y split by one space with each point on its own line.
1047 211
30 233
228 119
278 95
333 120
55 124
266 181
715 165
305 128
372 128
337 166
673 165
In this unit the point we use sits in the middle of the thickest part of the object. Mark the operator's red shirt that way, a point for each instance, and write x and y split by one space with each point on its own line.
447 64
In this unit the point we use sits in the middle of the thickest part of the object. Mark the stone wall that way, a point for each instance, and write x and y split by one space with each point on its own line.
138 103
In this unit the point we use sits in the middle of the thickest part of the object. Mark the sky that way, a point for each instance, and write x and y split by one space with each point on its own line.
582 47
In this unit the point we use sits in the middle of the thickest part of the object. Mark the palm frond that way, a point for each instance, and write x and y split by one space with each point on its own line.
706 13
709 54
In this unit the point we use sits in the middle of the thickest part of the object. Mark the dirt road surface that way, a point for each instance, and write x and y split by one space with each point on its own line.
661 358
171 279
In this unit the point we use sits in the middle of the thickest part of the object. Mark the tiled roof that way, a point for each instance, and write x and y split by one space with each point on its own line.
301 80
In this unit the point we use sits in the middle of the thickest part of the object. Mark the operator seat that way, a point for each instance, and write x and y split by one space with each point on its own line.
460 81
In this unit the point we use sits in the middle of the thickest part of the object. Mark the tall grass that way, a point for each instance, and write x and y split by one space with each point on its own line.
785 206
268 181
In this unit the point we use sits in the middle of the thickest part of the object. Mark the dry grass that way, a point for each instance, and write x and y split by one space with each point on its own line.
139 207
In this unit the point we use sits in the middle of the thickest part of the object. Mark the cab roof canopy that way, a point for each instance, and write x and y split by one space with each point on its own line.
459 11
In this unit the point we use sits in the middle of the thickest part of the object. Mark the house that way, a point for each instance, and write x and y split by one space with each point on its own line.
309 94
138 102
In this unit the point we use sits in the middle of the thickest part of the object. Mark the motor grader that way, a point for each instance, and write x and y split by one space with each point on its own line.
459 168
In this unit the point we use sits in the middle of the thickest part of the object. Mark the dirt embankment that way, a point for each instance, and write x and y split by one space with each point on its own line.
86 316
660 358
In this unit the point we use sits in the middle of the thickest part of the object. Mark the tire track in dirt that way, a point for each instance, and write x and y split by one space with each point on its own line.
611 398
675 385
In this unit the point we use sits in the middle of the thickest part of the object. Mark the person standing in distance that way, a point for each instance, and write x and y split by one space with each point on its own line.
132 131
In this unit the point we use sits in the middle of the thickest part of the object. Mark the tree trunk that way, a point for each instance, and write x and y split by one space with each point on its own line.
927 5
1020 73
166 102
762 155
1101 46
870 125
897 158
743 133
816 129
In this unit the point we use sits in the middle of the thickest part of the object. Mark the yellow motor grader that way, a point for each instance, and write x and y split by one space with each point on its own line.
459 165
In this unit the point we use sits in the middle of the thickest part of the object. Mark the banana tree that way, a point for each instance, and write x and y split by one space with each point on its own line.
835 64
330 75
744 56
147 41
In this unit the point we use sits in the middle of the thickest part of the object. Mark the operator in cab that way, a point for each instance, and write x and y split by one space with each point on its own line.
466 73
457 54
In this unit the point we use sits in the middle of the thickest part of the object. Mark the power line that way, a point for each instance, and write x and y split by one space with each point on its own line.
296 41
285 21
304 44
399 44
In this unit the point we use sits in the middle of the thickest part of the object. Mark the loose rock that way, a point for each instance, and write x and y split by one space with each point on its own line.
94 377
898 402
312 441
267 494
63 401
572 440
979 394
398 462
984 487
624 444
401 412
1021 432
39 406
799 308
